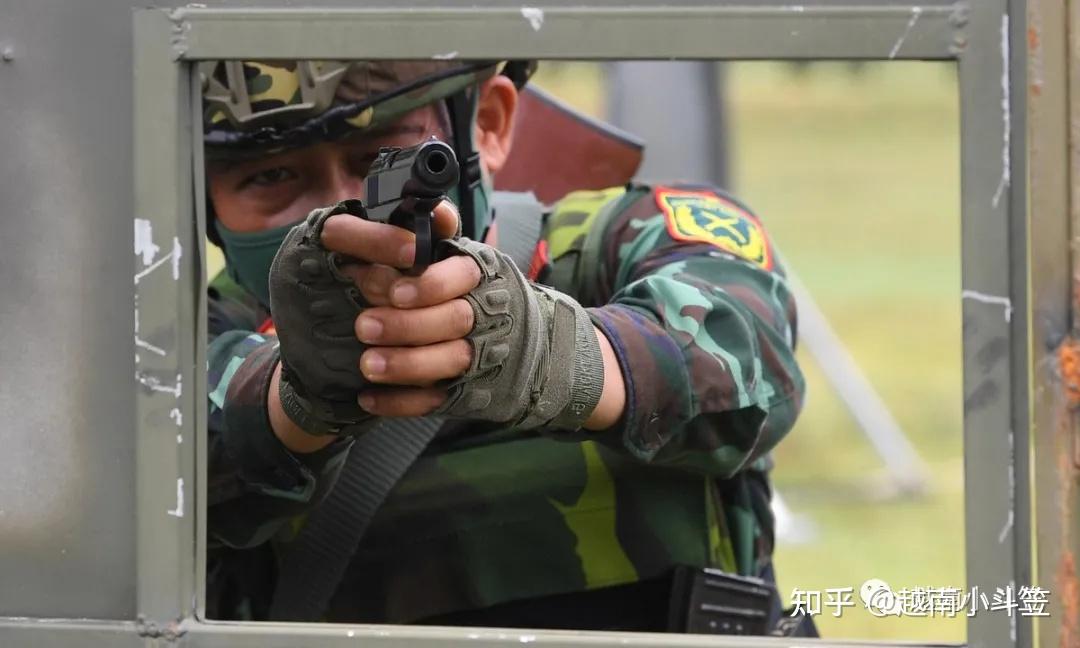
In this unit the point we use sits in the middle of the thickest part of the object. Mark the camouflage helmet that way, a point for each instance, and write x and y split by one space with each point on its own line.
257 108
261 107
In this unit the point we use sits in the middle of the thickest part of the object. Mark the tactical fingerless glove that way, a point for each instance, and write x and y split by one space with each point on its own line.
536 360
314 308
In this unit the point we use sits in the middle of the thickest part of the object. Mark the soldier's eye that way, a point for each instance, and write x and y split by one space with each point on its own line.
361 162
269 177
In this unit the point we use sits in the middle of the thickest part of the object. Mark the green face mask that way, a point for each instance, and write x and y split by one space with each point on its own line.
249 255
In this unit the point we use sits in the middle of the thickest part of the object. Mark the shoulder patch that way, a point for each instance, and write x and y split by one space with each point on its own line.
704 217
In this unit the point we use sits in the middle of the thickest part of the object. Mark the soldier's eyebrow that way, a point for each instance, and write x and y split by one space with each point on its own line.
394 129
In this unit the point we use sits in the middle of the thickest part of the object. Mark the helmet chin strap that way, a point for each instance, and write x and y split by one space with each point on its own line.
462 108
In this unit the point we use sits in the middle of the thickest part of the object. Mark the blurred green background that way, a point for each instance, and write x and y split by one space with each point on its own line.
855 170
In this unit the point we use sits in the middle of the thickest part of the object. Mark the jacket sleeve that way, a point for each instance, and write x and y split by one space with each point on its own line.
255 484
686 286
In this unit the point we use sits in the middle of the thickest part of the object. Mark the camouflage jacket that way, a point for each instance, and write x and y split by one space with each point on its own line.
688 289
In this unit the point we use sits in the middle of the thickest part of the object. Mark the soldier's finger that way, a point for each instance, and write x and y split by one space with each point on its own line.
448 279
408 401
416 366
369 242
374 281
395 327
445 220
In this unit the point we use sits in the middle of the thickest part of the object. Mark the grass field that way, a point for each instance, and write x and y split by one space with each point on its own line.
856 174
858 178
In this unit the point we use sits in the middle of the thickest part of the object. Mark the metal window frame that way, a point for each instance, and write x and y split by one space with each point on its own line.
998 370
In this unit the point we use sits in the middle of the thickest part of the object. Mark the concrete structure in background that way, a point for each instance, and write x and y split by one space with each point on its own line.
678 108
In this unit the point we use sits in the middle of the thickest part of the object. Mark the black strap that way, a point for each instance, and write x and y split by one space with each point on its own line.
315 563
462 107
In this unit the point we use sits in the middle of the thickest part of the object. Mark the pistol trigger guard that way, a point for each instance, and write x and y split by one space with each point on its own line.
422 230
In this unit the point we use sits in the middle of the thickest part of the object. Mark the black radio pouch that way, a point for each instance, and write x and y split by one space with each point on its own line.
709 601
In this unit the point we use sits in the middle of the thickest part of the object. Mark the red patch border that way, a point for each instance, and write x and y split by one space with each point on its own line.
267 327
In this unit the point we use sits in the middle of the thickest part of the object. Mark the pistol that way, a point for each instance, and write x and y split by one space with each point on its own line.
403 187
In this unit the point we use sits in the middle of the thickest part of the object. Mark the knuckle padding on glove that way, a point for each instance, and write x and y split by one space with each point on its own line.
536 360
314 307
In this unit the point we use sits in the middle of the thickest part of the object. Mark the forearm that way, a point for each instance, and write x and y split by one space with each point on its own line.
613 399
289 433
708 393
256 483
700 322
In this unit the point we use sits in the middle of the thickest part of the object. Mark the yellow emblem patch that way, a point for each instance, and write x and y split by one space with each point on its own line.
704 217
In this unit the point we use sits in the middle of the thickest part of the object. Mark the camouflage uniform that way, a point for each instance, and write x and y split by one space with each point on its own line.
688 290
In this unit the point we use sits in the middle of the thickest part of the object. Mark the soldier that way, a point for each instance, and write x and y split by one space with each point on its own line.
609 406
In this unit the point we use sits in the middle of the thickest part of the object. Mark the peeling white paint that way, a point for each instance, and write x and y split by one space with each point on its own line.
989 299
527 638
143 344
1010 521
145 246
178 512
154 266
180 28
350 634
915 13
535 16
1012 617
176 416
176 254
155 385
179 439
144 241
139 342
448 56
1006 116
1005 529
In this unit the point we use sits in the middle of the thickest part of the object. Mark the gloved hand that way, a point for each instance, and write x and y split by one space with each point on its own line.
535 362
315 301
314 306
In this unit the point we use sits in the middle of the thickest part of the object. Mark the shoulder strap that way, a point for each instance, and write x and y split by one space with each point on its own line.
519 217
316 561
